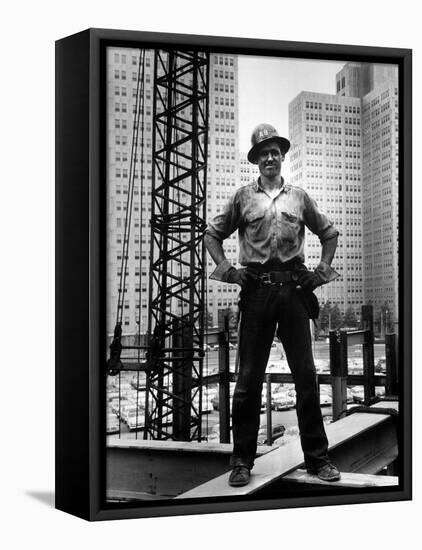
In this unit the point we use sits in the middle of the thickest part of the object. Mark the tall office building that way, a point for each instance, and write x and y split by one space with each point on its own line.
122 79
248 172
344 152
222 177
325 159
377 87
223 167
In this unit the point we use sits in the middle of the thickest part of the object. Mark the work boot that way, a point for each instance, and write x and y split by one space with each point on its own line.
325 472
240 475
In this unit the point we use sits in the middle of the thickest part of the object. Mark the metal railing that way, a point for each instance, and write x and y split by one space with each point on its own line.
338 378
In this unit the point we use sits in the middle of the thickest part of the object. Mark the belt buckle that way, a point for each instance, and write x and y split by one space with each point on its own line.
266 278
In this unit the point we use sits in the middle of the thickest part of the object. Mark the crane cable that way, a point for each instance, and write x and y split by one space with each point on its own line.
131 181
141 208
138 111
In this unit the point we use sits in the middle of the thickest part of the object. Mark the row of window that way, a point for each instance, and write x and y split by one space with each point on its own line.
122 75
223 60
335 107
226 88
122 91
228 142
123 58
224 74
229 115
122 108
354 121
224 101
225 128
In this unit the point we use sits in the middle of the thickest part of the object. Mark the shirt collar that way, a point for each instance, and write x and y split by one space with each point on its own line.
258 187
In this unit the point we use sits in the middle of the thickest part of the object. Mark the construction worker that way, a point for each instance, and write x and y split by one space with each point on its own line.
276 295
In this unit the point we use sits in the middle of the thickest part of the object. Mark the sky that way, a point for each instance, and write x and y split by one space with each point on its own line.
268 84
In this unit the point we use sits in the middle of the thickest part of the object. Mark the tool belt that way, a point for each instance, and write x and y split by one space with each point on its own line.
287 276
277 277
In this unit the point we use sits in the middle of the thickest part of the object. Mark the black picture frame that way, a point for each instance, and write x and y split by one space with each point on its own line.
80 273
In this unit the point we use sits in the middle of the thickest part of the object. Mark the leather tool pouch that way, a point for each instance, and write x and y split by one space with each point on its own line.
311 304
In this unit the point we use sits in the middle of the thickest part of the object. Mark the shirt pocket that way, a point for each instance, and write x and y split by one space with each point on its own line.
290 225
290 217
256 226
255 216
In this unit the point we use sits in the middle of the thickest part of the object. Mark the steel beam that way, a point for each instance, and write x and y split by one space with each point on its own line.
144 470
360 443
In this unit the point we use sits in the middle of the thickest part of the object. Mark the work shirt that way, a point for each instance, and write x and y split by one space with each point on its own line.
270 227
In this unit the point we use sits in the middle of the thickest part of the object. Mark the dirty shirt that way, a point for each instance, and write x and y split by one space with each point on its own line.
270 227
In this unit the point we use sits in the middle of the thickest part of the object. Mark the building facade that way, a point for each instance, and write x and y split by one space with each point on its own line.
377 88
380 200
325 160
345 153
223 168
223 178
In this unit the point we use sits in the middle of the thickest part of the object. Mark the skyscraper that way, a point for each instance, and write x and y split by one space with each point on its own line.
378 91
344 152
380 199
248 172
224 165
325 159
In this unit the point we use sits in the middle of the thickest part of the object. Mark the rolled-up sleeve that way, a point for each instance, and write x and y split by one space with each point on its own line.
316 221
225 223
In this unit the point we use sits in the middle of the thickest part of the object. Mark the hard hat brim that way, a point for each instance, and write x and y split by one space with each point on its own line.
283 143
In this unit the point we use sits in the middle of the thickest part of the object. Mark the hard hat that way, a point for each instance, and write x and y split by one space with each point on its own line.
265 132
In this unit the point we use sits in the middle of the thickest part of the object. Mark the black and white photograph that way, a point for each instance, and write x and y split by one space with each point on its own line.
253 277
211 275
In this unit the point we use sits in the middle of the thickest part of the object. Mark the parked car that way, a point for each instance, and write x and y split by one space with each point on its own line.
207 403
130 410
325 395
277 431
138 383
214 434
112 423
379 391
358 394
281 400
215 401
381 365
134 421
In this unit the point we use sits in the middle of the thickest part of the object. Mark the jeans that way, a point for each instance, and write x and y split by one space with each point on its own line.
265 308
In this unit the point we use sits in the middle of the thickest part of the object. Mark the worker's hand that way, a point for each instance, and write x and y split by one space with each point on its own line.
309 281
238 276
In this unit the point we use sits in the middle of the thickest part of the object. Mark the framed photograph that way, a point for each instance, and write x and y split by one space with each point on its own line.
233 276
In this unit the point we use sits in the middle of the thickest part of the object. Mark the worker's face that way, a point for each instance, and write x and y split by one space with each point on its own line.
270 159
